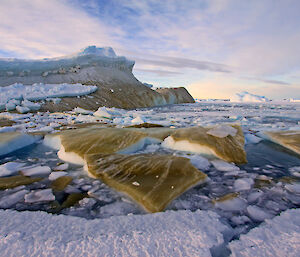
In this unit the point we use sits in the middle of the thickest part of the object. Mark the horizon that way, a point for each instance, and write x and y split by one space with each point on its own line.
213 48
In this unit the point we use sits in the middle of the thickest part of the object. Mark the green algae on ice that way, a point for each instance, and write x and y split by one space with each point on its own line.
14 181
152 180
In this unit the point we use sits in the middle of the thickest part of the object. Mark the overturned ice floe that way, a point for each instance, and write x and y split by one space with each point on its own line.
197 140
151 180
288 139
74 144
12 141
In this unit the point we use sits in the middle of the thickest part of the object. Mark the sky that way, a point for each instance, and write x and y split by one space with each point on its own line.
214 48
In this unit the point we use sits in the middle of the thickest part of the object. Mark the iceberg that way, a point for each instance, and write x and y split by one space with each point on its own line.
248 97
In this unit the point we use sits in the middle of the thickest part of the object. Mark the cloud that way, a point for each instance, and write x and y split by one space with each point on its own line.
36 28
268 81
162 73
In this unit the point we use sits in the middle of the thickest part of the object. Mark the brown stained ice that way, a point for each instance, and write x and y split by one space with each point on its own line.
229 148
14 181
151 180
288 139
106 140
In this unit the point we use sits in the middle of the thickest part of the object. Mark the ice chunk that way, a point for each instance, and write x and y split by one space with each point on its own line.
242 184
57 174
252 139
102 112
22 109
293 188
36 171
52 141
12 141
295 171
199 162
82 111
254 196
222 131
32 106
288 139
151 180
240 220
44 195
10 168
258 214
195 139
138 120
231 202
60 167
224 166
77 143
10 200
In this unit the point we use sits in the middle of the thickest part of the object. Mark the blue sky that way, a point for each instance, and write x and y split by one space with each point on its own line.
215 48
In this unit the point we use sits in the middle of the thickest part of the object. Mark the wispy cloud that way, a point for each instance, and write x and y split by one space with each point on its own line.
35 28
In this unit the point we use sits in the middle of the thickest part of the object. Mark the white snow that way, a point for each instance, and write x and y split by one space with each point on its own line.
138 120
10 200
185 145
181 233
17 142
242 184
222 131
248 97
57 174
43 195
39 91
36 171
103 113
224 166
258 214
279 236
10 168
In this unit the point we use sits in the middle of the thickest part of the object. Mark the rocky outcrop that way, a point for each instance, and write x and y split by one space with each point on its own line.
117 86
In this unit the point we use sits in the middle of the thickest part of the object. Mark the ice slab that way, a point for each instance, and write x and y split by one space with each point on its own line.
288 139
224 166
230 202
12 141
14 181
248 97
57 174
181 233
36 171
279 236
222 130
196 139
76 143
10 200
258 214
151 180
10 168
44 195
242 184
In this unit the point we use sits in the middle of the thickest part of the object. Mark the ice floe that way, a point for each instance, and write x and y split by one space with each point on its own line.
36 171
10 168
43 195
12 141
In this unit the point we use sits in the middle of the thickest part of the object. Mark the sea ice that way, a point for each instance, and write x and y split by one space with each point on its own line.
242 184
36 171
180 233
252 139
57 174
10 168
279 236
224 166
12 141
222 131
44 195
10 200
248 97
258 214
293 188
231 204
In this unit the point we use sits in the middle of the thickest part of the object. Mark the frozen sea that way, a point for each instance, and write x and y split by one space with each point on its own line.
243 196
